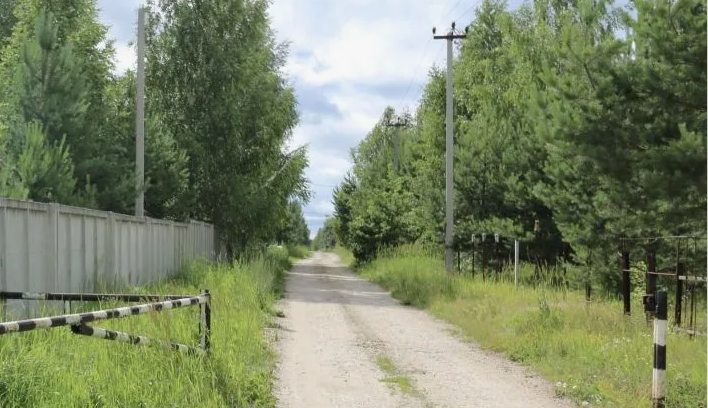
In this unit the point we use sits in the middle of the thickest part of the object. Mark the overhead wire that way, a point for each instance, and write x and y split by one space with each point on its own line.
401 101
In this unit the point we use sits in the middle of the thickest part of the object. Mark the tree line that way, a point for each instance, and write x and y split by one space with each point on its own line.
579 117
219 113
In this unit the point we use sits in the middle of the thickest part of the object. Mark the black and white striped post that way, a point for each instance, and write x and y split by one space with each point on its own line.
658 389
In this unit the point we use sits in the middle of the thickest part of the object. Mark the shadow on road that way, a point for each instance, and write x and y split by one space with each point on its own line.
318 281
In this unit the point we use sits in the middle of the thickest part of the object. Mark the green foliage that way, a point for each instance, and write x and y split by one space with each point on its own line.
293 229
412 275
54 368
326 237
214 147
557 120
593 353
45 170
234 120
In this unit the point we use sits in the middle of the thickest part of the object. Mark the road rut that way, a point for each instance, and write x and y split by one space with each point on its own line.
335 327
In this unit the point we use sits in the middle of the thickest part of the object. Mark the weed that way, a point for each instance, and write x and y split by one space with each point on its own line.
598 356
394 377
54 368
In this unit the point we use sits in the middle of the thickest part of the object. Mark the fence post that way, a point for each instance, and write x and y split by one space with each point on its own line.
626 289
516 263
458 258
498 268
484 257
658 389
205 323
651 284
474 238
678 309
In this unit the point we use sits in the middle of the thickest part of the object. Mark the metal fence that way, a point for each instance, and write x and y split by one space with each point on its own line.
56 248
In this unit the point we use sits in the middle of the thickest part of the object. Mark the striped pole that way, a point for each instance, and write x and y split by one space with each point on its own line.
88 297
82 318
129 338
658 389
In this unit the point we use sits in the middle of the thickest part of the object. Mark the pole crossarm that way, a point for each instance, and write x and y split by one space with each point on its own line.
450 37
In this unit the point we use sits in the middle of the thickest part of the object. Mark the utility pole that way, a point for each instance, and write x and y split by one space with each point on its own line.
397 124
140 118
449 148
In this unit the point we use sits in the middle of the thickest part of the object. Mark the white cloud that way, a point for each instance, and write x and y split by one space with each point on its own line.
355 55
125 57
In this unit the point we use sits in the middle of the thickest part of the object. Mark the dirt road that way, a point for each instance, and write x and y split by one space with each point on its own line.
345 343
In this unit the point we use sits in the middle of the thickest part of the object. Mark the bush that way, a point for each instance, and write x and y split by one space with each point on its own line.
298 251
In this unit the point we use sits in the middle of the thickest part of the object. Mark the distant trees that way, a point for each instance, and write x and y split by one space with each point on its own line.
558 119
218 116
326 237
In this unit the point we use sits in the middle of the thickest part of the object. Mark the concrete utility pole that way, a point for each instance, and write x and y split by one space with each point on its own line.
449 147
140 117
397 124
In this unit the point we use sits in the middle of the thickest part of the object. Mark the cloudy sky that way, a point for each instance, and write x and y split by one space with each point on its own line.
349 59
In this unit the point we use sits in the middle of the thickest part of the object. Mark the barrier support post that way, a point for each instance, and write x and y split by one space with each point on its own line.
658 389
626 289
205 326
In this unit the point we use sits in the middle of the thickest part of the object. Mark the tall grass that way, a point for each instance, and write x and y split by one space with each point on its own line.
298 251
55 368
345 255
592 352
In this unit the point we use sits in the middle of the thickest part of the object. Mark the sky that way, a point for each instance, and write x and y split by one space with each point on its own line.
349 59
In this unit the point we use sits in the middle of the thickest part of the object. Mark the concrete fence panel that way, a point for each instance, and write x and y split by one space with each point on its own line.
56 248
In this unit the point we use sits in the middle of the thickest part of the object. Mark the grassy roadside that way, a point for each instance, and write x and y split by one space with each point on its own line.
54 368
593 354
298 252
345 255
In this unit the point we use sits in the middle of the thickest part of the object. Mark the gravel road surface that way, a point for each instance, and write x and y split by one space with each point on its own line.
345 343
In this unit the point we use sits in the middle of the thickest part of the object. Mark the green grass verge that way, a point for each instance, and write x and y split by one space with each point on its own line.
593 353
345 255
55 368
298 251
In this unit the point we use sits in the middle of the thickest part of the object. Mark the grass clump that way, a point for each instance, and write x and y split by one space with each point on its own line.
412 275
393 377
592 352
298 251
345 255
55 368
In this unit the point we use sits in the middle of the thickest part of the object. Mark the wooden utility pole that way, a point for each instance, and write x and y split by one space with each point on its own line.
449 147
398 123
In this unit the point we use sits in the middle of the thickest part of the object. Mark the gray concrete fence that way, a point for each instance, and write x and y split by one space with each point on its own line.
57 248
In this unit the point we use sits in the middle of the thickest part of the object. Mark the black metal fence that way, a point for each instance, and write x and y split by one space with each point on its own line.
672 261
78 321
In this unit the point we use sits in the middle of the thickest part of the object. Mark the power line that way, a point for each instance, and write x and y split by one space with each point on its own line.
422 58
466 11
415 73
452 9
